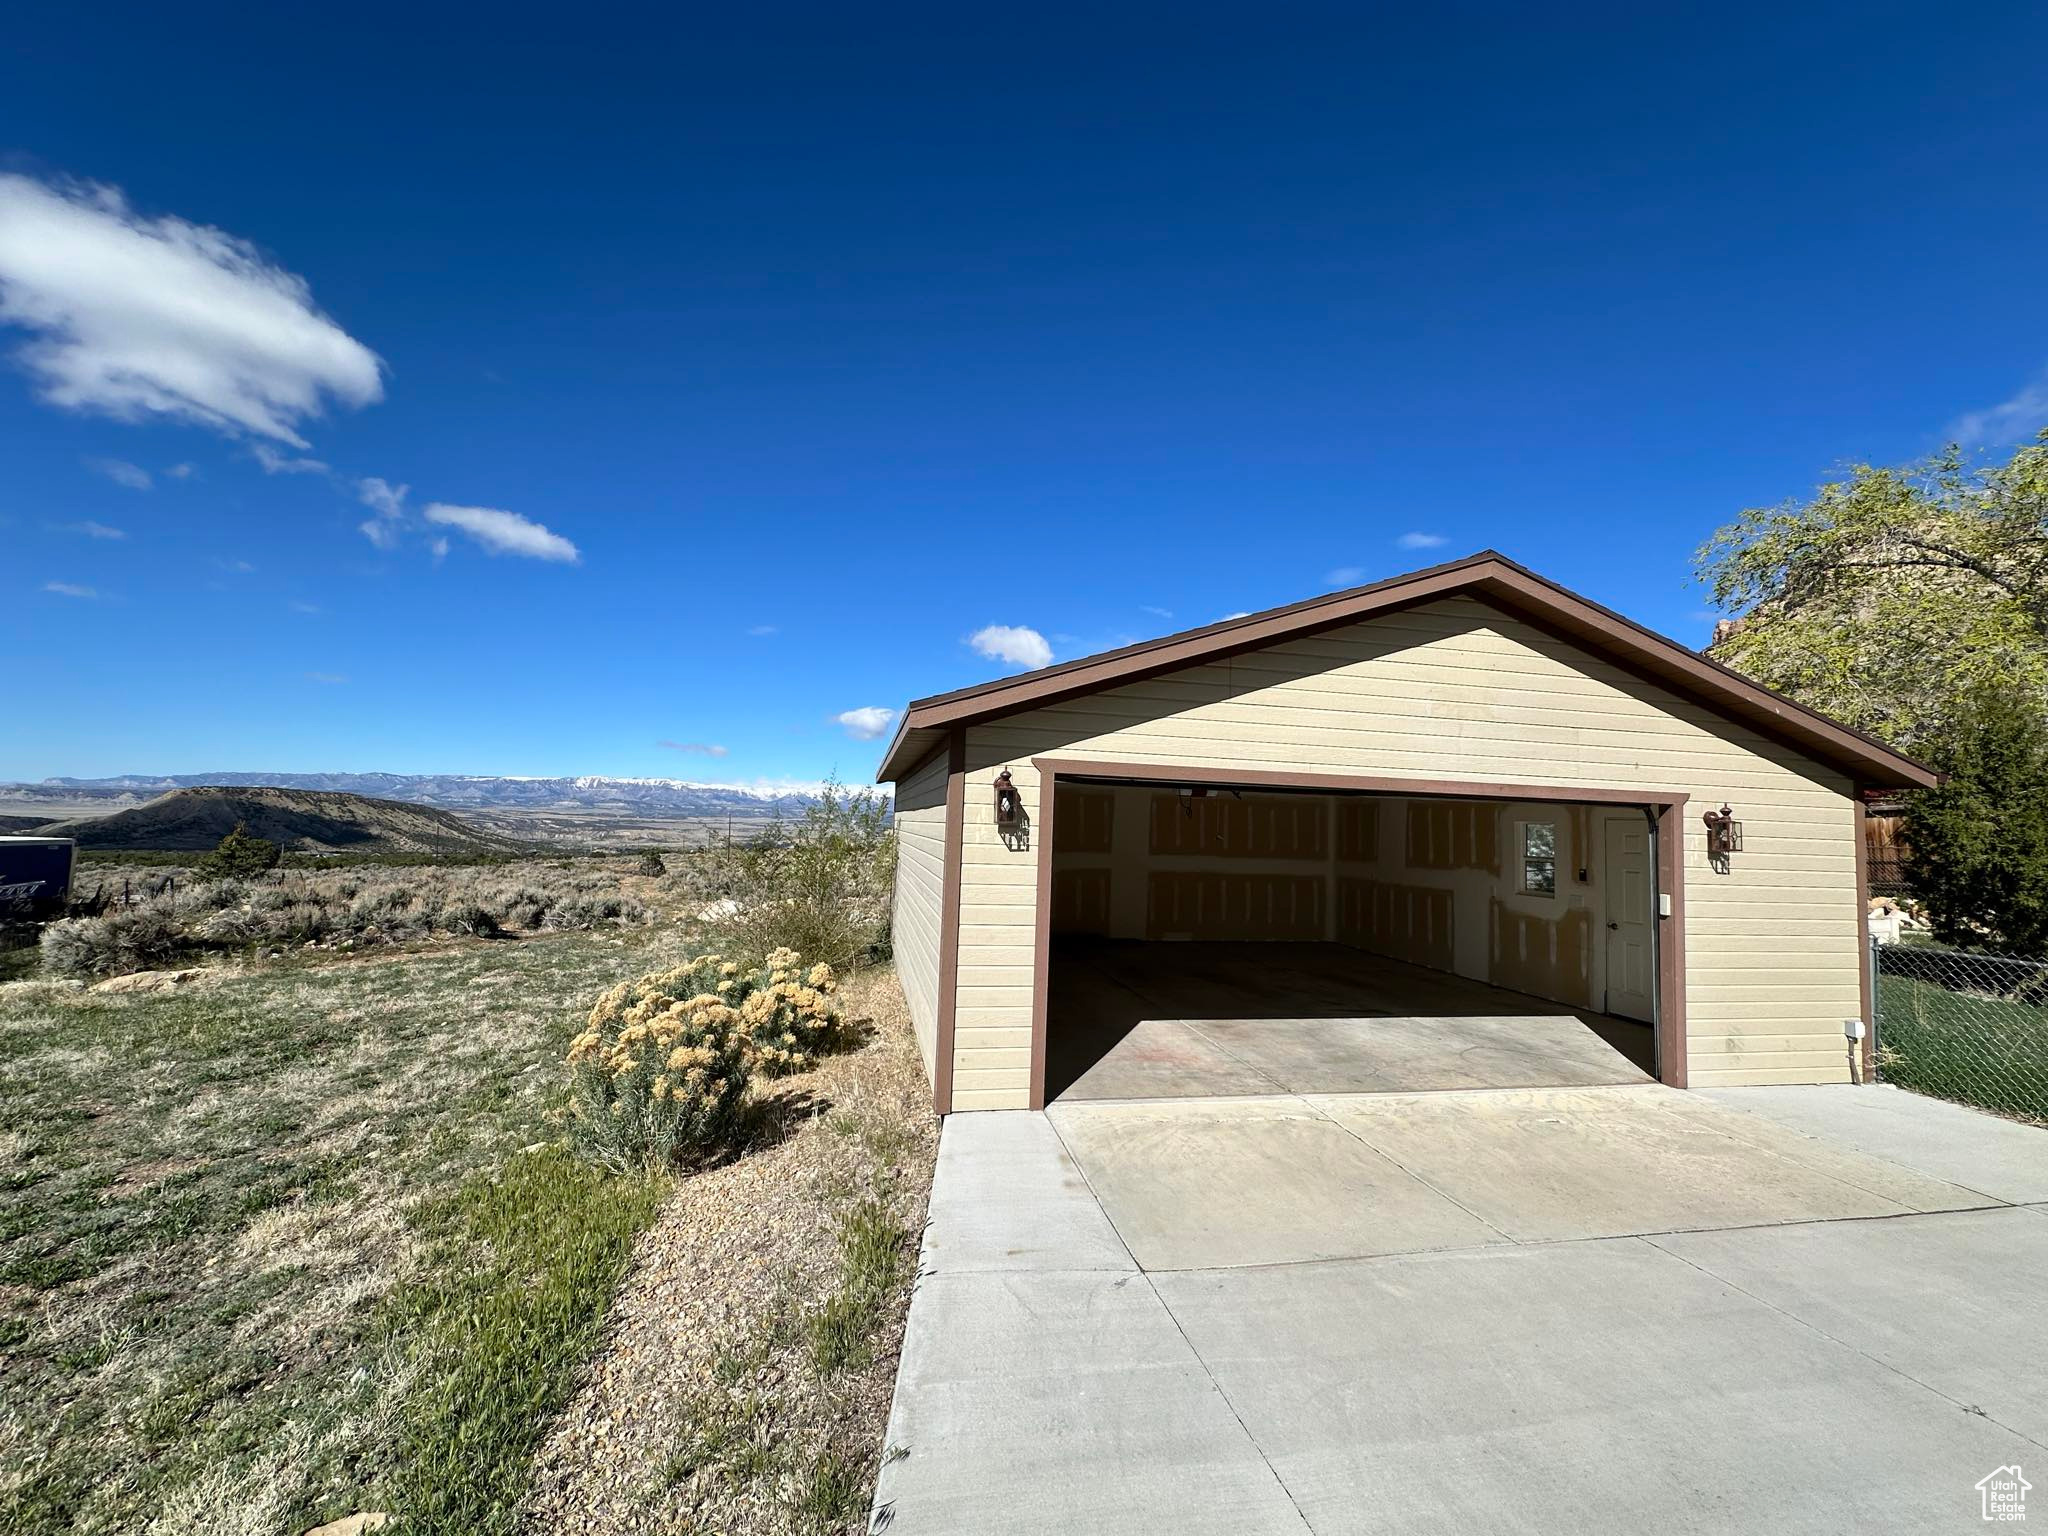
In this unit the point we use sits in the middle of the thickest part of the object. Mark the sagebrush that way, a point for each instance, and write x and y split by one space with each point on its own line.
139 938
347 908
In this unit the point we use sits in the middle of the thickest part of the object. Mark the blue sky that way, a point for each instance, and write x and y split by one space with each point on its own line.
740 370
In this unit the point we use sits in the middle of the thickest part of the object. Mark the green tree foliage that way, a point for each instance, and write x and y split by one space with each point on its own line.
1979 862
241 854
1892 593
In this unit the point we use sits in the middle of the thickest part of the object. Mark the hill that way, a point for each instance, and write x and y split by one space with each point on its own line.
312 821
582 811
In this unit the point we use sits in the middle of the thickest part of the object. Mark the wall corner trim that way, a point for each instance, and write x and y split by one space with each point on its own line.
949 919
1673 1069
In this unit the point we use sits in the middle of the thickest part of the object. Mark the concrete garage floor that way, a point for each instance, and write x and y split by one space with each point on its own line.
1129 1020
1588 1309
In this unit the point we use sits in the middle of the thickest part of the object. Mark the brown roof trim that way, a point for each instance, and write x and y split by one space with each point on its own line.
1487 575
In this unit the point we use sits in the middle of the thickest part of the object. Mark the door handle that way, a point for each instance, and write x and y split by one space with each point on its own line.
1615 926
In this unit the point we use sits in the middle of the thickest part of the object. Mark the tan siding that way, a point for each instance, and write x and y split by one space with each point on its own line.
920 897
1460 691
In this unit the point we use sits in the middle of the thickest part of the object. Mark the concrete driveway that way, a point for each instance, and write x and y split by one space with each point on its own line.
1577 1309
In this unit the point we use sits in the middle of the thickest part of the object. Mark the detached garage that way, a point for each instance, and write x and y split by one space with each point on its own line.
1462 828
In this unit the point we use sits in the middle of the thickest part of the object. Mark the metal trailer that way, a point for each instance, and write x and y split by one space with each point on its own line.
35 876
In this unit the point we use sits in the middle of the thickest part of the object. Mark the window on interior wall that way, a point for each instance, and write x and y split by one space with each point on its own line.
1539 858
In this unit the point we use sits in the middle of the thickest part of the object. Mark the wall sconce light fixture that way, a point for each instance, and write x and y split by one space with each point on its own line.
1009 804
1724 833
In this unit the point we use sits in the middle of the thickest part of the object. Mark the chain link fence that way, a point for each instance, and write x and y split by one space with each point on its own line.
1964 1026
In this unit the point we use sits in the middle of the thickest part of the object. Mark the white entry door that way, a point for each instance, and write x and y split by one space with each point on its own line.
1626 895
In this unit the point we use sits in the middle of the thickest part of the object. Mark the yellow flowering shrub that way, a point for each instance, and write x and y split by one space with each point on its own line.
659 1074
791 1014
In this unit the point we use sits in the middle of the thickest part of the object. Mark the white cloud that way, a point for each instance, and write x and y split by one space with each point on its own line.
69 589
381 496
1422 541
1242 613
325 677
1013 643
1345 576
297 606
505 533
1157 613
502 533
2007 422
139 317
388 502
180 472
275 463
866 723
236 567
759 630
92 530
121 472
701 748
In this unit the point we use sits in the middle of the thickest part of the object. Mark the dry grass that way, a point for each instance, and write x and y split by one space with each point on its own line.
745 1378
235 1220
299 1239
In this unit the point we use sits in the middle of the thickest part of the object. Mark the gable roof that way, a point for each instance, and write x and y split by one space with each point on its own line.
1488 576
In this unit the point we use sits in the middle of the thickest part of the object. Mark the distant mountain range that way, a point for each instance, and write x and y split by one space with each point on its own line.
679 799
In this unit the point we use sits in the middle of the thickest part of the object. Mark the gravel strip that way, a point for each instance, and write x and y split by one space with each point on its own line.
736 1248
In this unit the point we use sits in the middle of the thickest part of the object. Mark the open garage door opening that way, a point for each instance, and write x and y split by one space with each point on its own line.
1205 939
